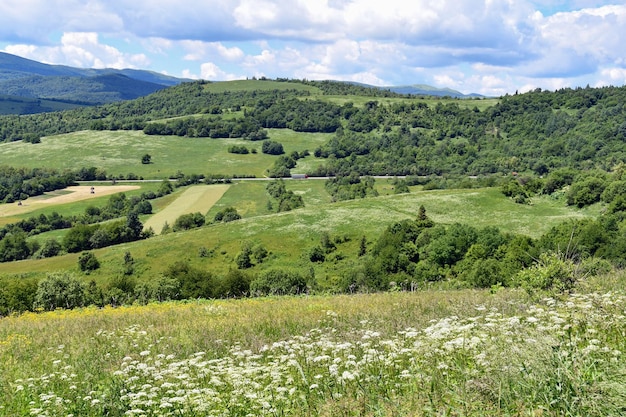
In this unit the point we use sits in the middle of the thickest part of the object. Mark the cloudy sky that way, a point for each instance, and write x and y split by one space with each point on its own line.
490 47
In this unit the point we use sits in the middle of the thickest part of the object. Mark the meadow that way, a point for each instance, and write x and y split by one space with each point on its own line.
293 233
119 153
426 353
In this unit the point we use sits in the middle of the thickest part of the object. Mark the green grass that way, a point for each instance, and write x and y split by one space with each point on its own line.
78 207
120 152
249 85
470 353
288 235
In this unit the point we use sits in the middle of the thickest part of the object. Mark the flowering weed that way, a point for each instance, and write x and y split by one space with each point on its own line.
557 357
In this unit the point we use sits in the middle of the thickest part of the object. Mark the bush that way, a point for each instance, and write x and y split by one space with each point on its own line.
279 282
226 215
236 283
88 262
552 272
51 247
188 221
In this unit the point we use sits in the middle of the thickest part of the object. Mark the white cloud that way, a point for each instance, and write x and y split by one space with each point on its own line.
212 72
82 50
471 45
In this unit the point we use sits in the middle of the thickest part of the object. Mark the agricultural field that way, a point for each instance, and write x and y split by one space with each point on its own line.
67 196
195 199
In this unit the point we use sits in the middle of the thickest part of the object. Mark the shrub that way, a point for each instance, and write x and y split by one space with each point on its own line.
279 282
226 215
88 262
188 221
552 272
236 283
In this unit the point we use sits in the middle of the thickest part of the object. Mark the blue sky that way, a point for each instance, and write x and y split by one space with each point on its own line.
491 47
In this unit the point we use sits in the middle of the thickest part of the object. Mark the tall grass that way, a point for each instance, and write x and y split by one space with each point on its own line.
466 353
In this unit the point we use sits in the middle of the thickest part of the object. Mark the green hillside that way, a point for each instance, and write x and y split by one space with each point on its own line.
441 257
293 233
470 193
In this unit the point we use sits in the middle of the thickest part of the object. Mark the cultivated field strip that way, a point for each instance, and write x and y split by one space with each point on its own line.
195 199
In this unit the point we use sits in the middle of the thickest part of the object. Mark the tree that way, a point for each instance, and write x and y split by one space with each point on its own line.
188 221
165 188
146 159
129 263
244 258
88 262
59 290
279 282
363 246
272 148
51 247
133 225
14 247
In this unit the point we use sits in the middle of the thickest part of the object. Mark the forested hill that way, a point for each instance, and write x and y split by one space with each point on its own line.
375 132
25 78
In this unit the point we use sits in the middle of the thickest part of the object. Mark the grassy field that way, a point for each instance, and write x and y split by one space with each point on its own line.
248 85
428 353
69 208
120 152
288 235
195 199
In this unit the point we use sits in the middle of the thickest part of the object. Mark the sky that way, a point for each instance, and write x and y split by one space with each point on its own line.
489 47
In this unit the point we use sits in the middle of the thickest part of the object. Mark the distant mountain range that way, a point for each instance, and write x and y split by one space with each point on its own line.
423 90
28 86
25 79
427 90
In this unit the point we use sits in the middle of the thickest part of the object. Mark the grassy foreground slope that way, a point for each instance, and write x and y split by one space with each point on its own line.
427 353
287 236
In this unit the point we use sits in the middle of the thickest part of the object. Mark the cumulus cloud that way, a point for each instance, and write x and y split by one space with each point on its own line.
81 50
471 45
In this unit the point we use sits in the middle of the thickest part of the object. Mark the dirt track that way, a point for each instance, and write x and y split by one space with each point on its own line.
67 195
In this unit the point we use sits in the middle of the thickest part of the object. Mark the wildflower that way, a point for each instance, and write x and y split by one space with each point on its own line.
346 375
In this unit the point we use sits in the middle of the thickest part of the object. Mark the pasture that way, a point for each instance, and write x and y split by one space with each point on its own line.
119 153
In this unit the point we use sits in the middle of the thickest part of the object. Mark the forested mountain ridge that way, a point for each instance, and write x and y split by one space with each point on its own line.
22 77
13 67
